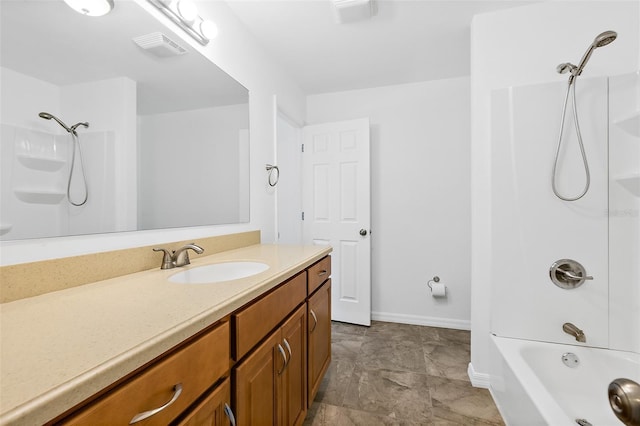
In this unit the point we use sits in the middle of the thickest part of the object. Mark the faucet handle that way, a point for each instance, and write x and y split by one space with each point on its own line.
167 259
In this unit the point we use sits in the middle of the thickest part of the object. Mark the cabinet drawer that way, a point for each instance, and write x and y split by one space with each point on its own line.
318 273
195 367
254 322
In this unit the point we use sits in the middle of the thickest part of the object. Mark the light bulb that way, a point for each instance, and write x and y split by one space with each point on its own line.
208 29
91 7
187 10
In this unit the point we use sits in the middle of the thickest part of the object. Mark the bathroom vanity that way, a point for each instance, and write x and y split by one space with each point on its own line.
140 349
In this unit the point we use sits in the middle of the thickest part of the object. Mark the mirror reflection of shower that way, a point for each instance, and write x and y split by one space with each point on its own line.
75 144
602 39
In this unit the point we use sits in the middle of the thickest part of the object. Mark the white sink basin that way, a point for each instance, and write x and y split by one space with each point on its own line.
218 272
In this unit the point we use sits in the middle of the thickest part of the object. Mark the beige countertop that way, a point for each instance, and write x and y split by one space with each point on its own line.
59 348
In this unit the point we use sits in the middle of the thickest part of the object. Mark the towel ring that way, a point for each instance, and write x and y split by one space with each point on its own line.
270 169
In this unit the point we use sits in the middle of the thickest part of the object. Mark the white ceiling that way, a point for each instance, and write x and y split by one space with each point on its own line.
407 41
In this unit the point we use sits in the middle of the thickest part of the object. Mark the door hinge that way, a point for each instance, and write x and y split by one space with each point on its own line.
302 147
302 215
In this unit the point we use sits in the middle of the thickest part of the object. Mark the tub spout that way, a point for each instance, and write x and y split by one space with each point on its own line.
571 329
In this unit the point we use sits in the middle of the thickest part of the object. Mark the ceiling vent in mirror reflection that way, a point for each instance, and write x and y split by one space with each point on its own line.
160 45
345 11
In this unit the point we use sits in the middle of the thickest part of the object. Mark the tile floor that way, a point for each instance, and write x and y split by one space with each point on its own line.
397 374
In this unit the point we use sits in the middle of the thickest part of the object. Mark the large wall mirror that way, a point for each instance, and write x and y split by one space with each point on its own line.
153 137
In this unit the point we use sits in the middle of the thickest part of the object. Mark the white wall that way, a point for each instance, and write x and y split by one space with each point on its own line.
518 47
238 53
420 195
172 188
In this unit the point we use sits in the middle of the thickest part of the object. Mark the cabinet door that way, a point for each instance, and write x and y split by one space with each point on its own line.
319 337
256 381
211 411
292 401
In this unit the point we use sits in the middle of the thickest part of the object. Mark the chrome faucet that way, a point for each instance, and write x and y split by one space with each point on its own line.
180 257
571 329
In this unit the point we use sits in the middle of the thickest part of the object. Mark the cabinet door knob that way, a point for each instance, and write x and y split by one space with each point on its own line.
177 390
363 232
315 320
229 413
284 358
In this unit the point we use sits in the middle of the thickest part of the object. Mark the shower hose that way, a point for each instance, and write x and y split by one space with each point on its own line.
571 88
76 142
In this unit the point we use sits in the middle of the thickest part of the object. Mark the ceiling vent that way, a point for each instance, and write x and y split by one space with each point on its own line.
160 45
353 10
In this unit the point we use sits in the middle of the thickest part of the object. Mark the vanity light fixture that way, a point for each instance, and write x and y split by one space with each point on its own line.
184 13
91 7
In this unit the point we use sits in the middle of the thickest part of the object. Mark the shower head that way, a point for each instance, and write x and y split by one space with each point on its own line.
605 38
72 129
601 40
48 116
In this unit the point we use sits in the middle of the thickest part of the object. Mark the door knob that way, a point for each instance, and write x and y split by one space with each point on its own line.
363 232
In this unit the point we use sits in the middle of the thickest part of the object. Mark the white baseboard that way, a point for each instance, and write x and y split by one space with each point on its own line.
422 320
478 380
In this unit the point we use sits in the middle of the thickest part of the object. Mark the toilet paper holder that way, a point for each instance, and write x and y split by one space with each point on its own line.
437 289
435 279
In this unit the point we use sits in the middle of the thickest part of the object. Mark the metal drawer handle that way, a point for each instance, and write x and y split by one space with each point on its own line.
323 272
177 390
315 320
229 413
284 357
286 343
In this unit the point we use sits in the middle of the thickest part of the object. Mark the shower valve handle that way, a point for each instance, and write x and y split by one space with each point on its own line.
573 276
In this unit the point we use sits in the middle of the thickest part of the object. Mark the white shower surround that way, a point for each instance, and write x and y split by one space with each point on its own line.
539 37
532 228
104 143
521 222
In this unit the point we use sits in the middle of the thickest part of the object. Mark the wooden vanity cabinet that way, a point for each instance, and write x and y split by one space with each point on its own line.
277 380
271 383
268 358
319 337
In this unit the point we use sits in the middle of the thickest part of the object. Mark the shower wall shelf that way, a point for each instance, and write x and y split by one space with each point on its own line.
46 164
39 196
630 182
630 124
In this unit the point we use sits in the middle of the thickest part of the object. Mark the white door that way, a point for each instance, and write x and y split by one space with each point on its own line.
336 205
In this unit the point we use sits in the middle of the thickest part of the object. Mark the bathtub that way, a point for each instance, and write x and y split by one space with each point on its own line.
532 386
